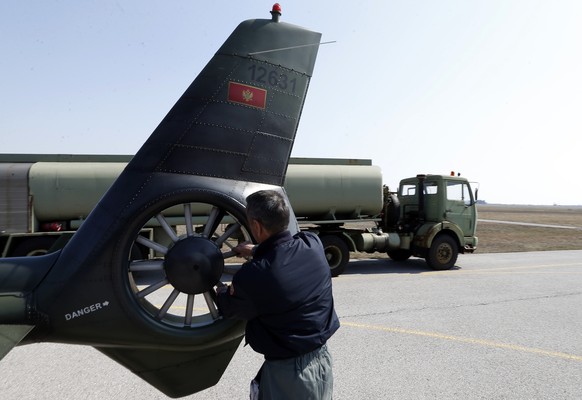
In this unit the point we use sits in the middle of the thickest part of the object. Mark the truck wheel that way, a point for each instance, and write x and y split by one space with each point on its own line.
443 253
399 254
34 246
336 253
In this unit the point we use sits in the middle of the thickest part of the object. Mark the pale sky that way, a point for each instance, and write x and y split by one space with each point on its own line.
488 88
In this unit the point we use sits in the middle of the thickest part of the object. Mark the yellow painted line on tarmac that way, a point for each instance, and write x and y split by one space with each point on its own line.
480 342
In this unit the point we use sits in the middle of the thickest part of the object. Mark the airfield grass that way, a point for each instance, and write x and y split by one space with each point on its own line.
501 238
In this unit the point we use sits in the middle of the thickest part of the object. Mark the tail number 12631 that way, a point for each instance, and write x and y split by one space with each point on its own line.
272 77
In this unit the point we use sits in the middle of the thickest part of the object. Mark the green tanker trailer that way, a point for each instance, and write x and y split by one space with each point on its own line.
45 198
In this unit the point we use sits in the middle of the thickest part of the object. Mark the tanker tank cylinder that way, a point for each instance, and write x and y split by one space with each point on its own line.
371 242
334 191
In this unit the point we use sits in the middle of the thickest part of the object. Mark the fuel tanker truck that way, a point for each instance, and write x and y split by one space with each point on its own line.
45 198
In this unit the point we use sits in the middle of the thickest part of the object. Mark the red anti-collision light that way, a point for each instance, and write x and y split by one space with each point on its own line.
276 8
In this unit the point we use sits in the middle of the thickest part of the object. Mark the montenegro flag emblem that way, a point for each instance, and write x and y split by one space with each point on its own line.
247 95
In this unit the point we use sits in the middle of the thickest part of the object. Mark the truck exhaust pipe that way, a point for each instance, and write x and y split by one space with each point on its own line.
421 178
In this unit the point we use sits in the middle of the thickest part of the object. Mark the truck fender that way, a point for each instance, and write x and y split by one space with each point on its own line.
349 241
428 232
451 228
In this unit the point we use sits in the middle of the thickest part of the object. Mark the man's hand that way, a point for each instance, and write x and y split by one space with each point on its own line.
245 249
222 288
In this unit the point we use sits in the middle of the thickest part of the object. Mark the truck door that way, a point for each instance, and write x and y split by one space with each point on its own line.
460 206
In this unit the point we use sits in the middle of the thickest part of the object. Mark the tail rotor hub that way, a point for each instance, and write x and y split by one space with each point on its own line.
194 265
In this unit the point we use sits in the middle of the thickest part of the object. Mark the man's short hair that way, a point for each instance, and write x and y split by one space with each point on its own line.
270 209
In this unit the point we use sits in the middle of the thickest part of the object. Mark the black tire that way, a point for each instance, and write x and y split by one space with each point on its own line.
33 246
399 254
337 254
443 253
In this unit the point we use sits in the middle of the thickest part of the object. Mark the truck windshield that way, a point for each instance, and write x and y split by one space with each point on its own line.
459 191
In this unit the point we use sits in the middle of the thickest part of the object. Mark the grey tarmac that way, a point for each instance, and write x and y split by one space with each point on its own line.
498 326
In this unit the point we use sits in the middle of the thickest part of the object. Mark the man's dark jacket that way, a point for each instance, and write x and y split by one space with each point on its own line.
285 294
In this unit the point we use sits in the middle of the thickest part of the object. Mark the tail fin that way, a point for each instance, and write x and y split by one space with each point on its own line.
239 118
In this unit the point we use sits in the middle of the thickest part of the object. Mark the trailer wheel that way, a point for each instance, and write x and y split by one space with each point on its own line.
34 246
336 253
443 253
399 254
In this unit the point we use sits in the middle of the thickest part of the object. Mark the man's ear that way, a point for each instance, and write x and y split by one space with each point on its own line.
258 230
254 225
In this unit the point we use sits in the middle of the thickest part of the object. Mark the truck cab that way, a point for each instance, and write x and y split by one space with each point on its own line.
439 214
